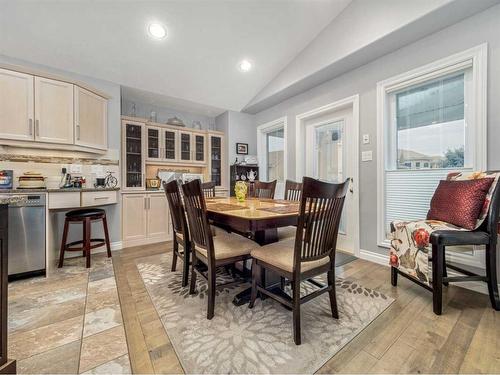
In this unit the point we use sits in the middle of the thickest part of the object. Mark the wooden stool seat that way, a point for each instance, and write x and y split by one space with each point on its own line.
84 216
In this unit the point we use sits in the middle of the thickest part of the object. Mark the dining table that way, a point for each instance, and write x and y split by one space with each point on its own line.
258 218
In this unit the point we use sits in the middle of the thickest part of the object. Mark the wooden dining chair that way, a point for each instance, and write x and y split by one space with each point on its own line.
293 192
209 252
180 229
208 189
264 189
310 254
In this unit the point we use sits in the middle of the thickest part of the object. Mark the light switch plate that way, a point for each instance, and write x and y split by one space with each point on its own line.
367 155
366 139
75 168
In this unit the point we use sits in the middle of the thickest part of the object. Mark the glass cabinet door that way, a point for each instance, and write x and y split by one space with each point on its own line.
185 146
133 156
170 144
154 143
199 147
215 159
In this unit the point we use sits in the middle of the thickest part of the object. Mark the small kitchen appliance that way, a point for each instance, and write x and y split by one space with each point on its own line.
6 178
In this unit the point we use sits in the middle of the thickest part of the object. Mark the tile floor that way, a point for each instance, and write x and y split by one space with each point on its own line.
70 322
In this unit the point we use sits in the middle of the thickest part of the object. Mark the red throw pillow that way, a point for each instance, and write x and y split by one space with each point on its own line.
459 202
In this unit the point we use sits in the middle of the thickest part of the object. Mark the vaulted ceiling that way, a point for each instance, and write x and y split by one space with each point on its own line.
198 60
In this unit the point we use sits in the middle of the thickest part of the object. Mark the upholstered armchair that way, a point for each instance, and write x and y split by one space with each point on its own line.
464 211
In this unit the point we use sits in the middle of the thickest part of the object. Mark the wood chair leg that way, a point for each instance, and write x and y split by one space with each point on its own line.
192 285
394 276
437 278
211 293
84 236
106 235
445 271
174 255
282 283
253 294
333 294
87 241
296 311
185 265
491 274
63 243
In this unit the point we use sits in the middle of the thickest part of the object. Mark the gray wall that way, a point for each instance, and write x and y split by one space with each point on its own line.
113 90
164 113
239 128
483 27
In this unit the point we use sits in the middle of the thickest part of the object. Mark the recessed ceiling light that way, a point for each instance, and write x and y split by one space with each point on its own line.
157 31
245 66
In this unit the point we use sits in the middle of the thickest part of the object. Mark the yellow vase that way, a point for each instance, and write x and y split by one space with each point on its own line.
240 190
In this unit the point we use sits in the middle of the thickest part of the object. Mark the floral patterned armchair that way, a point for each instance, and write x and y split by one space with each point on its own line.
418 247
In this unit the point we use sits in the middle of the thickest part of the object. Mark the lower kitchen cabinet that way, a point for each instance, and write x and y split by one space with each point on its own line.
145 219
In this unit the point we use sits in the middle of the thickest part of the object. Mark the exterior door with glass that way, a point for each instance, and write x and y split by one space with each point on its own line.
328 146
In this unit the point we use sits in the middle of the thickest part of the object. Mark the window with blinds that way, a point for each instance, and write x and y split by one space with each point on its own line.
428 139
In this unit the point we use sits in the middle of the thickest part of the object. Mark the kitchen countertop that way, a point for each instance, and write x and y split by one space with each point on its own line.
9 199
58 190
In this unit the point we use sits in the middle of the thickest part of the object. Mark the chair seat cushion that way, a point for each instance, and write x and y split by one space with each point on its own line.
287 232
411 245
85 212
280 255
228 246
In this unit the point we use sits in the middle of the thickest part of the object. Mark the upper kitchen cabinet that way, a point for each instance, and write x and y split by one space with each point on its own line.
53 111
91 119
133 155
16 105
48 112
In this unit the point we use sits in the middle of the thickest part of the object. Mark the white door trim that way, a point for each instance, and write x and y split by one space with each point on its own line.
261 145
353 102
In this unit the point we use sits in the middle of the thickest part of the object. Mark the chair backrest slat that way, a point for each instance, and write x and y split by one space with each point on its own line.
208 189
320 212
196 210
176 209
264 189
293 190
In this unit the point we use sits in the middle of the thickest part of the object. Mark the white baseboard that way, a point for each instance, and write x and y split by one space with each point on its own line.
383 259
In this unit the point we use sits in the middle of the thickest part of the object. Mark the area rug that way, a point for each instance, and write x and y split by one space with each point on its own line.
259 340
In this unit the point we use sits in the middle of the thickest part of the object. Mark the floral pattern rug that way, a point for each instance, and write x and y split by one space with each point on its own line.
258 340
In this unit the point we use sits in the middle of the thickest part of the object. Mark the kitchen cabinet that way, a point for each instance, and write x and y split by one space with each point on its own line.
91 119
185 146
53 111
133 156
16 105
216 159
199 148
134 217
170 145
154 147
145 218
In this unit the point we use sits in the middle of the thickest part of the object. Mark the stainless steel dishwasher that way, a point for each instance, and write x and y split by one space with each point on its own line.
27 236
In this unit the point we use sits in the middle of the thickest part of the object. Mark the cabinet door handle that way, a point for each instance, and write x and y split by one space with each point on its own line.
30 126
145 203
37 127
78 132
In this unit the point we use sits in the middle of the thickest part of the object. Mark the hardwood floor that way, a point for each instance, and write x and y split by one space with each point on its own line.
406 338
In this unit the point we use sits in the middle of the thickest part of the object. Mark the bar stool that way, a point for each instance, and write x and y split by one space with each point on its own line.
84 216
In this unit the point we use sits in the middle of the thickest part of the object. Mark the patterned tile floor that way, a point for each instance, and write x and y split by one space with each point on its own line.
69 322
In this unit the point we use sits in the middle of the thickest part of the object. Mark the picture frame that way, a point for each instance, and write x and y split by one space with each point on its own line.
242 148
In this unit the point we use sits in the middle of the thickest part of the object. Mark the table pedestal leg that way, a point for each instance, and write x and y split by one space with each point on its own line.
266 236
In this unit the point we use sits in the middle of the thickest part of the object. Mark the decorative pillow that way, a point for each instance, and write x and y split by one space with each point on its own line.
465 176
459 202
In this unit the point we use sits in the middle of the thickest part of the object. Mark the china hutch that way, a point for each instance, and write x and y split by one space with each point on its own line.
150 146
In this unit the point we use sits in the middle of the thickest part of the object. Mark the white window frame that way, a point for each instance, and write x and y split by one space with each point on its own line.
262 131
476 58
